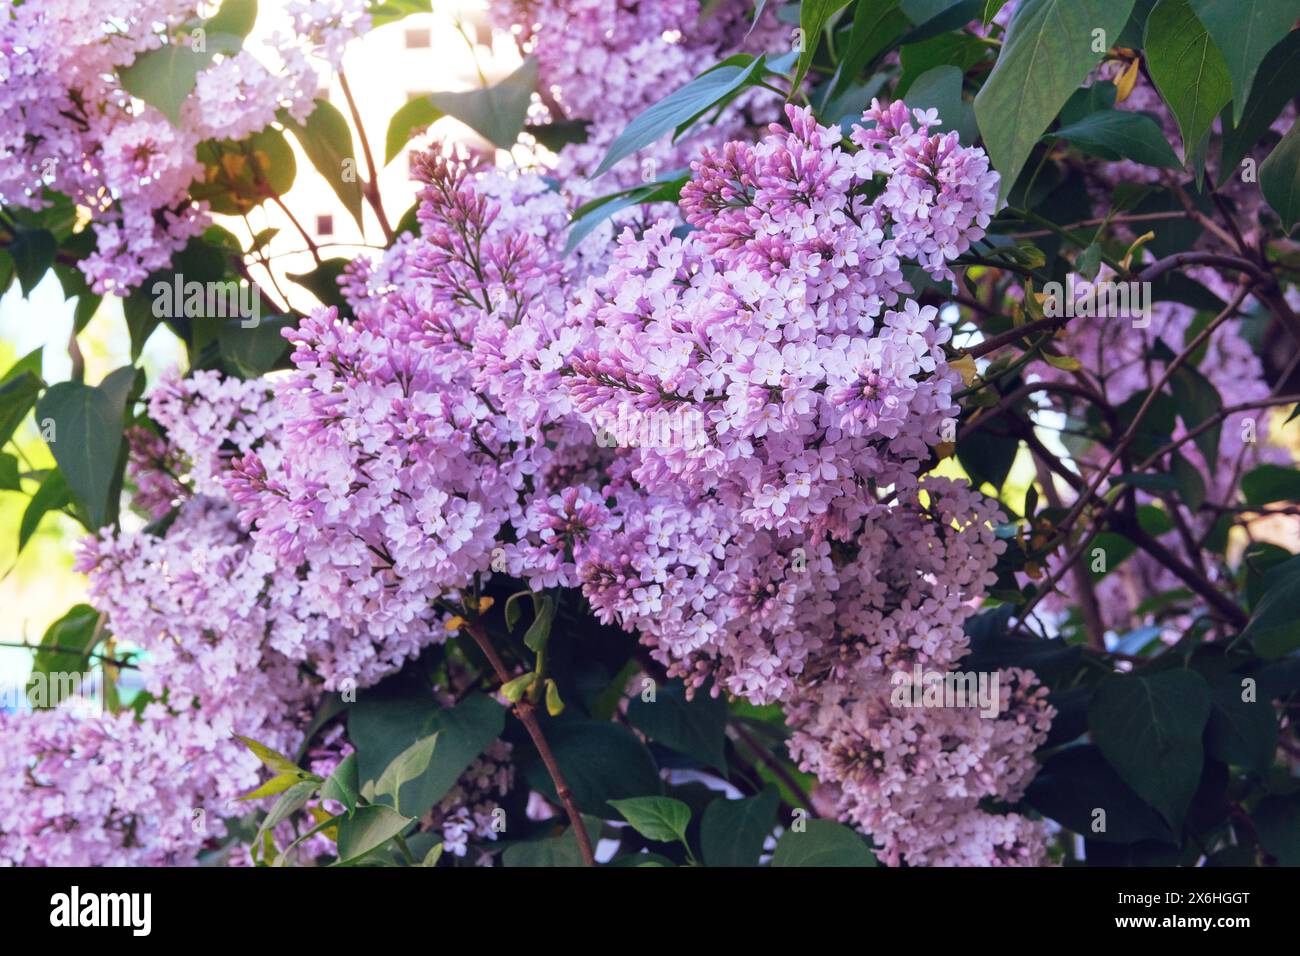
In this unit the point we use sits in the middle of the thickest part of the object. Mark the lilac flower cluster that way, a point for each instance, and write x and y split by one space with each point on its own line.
449 432
72 126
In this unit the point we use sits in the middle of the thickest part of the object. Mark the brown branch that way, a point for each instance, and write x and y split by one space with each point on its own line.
526 711
369 189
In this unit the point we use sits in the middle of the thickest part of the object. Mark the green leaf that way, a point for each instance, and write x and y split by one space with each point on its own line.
813 17
277 784
68 642
940 89
1191 484
1279 178
1076 782
388 11
1265 484
9 479
342 785
1277 821
1149 728
86 441
368 828
549 852
696 728
386 728
732 832
425 772
272 759
589 215
876 25
33 253
539 632
601 761
1187 68
655 818
1198 401
682 105
822 843
991 8
323 283
1274 627
1241 733
18 393
52 495
235 18
1244 31
327 141
497 112
1047 54
250 353
1116 133
1276 84
416 114
164 77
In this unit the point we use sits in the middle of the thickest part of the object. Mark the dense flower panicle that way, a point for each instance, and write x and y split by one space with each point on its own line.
906 774
73 128
603 62
780 320
453 428
116 790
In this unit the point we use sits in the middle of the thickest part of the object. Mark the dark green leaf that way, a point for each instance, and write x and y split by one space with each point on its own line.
1276 84
1048 52
732 832
1267 483
1149 728
696 728
33 254
50 496
368 828
1116 133
656 818
86 440
327 141
1274 626
822 843
1241 733
601 761
1244 31
1187 68
1279 178
682 105
1277 821
1075 783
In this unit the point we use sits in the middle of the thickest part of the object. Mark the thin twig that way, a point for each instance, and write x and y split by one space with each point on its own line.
527 714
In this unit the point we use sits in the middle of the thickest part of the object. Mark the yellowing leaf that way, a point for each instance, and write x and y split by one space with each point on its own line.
1125 82
1138 243
966 366
1064 362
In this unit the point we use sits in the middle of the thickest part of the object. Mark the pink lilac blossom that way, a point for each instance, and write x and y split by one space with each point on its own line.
450 429
72 126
